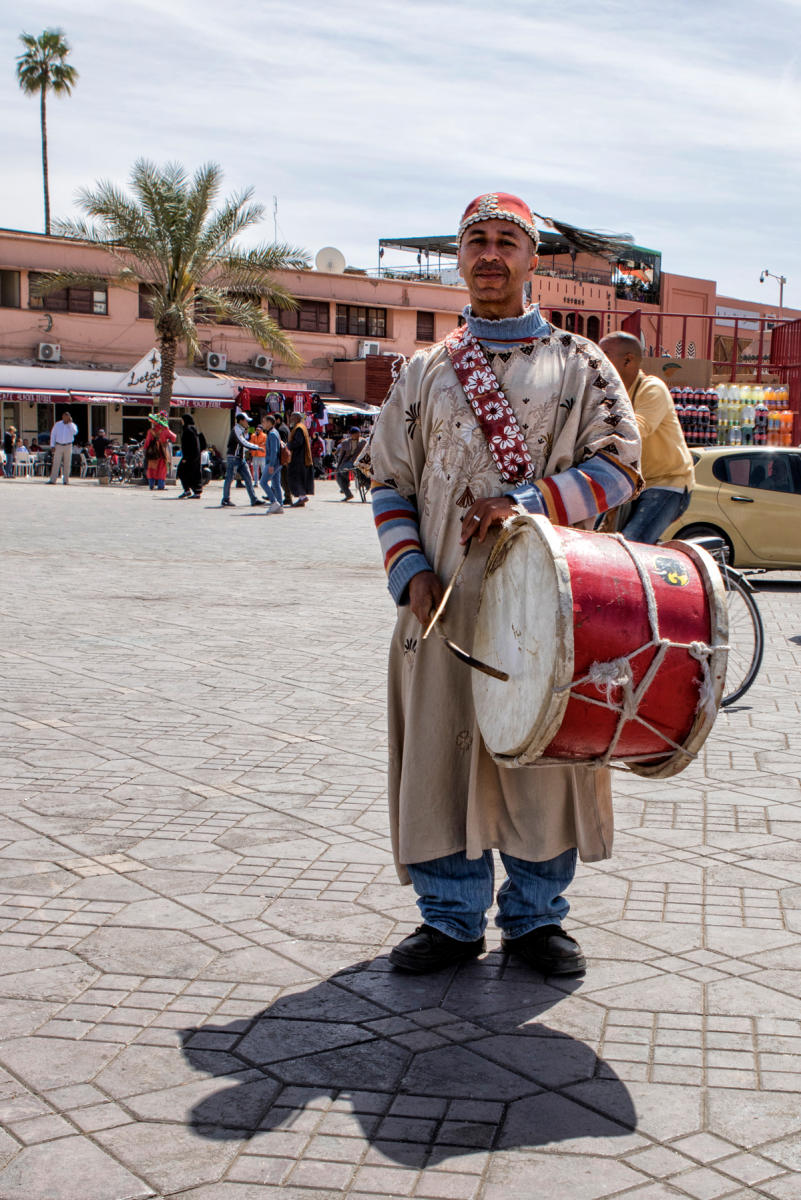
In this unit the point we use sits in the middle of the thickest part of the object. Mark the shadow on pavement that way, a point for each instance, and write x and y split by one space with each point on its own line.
431 1067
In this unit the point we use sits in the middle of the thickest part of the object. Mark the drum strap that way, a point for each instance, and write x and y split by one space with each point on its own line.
491 408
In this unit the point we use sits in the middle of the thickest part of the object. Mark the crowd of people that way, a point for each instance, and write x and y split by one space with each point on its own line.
282 455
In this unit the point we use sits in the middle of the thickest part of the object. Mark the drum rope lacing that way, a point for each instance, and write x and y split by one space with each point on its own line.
616 674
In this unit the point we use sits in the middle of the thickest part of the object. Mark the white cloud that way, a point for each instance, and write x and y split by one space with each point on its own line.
678 122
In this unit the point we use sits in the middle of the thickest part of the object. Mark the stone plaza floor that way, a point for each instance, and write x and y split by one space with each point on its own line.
197 899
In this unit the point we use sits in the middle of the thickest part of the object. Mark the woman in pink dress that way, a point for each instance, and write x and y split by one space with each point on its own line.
159 436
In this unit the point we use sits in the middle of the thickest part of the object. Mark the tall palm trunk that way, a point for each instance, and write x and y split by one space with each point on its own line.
167 346
44 162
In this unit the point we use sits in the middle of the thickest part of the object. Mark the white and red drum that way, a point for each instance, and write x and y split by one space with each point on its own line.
614 650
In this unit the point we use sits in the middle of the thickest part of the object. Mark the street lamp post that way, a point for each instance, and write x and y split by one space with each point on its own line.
781 279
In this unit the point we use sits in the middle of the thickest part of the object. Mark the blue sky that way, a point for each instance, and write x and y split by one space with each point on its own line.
678 122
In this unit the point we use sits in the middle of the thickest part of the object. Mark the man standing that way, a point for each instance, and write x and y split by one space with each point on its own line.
667 464
301 476
237 445
507 415
259 438
348 451
62 435
271 474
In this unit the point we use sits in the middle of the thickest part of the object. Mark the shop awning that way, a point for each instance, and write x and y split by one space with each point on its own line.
147 401
341 408
55 384
33 395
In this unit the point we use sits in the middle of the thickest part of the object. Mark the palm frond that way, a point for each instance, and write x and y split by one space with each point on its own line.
251 317
165 232
54 281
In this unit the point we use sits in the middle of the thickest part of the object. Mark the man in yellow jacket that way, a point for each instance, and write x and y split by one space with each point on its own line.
667 465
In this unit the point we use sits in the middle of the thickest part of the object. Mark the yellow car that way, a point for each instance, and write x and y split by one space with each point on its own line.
751 497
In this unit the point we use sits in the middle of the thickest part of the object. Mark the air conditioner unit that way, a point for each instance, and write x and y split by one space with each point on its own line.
262 362
48 352
366 348
216 361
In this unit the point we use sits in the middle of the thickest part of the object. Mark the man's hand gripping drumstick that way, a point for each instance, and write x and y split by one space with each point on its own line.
428 598
425 589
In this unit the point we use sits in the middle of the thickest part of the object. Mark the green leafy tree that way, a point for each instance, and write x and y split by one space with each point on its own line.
42 68
168 236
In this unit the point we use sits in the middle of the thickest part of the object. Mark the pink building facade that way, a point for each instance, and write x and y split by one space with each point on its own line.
343 319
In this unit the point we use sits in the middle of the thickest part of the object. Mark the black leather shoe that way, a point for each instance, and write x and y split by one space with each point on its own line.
227 504
429 950
257 503
549 950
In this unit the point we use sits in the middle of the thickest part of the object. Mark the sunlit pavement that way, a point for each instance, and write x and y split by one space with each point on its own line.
197 900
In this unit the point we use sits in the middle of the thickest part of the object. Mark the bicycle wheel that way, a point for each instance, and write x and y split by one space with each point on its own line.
746 638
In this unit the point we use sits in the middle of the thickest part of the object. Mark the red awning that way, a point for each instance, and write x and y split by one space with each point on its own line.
39 395
146 401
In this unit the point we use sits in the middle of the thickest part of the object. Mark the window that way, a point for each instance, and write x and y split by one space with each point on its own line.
9 289
425 327
205 313
312 316
574 322
241 298
593 328
145 305
88 301
766 472
361 322
556 319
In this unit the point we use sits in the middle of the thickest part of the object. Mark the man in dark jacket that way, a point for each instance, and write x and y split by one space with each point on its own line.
237 445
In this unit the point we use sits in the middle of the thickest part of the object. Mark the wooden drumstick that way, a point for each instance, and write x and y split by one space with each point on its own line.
446 594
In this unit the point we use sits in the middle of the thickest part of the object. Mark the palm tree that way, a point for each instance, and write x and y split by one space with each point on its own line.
168 238
42 69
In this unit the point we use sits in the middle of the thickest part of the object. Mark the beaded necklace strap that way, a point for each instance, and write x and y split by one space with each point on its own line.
492 410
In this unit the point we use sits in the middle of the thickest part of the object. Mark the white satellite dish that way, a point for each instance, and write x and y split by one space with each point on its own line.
330 260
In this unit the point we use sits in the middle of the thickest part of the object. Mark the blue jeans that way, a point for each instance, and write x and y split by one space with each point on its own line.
233 466
271 483
454 893
653 512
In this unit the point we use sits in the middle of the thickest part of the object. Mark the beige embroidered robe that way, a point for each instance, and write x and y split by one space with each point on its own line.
446 794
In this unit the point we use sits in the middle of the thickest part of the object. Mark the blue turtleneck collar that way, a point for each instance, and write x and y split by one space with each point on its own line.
504 332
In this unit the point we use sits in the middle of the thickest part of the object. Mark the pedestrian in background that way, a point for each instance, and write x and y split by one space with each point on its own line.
189 468
62 435
348 451
300 465
667 464
9 446
283 432
259 438
271 474
157 442
238 443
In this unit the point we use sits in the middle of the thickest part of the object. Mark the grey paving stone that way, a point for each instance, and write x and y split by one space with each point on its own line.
69 1169
215 888
170 1156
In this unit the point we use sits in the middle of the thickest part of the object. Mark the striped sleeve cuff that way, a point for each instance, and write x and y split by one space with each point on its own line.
600 483
399 537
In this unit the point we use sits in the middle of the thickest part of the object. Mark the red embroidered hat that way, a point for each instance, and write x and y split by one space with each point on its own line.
499 206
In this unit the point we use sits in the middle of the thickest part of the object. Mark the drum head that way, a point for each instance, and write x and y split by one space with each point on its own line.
524 627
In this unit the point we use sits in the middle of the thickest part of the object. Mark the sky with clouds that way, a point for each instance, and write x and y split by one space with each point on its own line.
677 121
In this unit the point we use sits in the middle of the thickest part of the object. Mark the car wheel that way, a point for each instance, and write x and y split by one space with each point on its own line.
691 531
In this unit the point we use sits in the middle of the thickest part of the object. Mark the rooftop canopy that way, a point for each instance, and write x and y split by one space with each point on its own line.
559 238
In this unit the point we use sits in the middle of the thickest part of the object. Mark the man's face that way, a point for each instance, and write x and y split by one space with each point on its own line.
66 417
496 258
